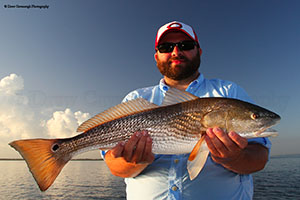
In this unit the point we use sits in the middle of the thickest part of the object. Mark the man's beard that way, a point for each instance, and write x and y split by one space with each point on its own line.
181 72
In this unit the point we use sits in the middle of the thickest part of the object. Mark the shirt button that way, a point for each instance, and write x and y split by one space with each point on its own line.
176 161
174 188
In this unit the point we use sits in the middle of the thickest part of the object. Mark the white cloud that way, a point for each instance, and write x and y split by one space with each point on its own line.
65 123
11 84
15 115
18 120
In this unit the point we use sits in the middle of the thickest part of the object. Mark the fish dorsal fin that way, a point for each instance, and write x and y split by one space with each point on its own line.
174 96
116 112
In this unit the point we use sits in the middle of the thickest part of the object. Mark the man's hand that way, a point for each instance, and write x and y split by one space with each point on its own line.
138 149
130 158
234 153
225 147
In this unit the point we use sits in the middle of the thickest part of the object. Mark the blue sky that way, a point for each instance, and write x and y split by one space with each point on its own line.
87 55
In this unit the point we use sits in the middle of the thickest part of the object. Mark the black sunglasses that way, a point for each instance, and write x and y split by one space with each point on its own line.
183 46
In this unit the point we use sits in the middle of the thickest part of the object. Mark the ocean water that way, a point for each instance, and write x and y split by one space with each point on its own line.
280 180
84 180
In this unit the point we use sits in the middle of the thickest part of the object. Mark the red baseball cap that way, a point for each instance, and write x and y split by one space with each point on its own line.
175 25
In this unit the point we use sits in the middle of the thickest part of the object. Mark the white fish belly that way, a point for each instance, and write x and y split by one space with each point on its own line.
173 145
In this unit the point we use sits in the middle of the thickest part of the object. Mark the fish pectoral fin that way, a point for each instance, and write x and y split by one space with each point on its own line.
197 158
196 149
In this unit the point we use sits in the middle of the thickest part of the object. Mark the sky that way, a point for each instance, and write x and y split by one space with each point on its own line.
63 64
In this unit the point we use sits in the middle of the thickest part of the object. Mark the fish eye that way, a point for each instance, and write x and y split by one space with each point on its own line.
55 147
254 116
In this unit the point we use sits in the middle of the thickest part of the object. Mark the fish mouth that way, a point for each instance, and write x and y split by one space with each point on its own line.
264 132
267 132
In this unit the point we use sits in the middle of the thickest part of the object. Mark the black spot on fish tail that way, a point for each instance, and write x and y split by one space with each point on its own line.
55 147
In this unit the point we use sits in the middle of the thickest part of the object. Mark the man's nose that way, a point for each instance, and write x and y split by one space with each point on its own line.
176 51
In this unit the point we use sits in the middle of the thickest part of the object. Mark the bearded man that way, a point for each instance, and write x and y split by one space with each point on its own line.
227 171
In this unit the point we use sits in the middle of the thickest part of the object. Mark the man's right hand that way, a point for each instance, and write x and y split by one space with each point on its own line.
130 158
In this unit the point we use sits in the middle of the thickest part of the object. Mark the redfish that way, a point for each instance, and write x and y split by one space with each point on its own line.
176 127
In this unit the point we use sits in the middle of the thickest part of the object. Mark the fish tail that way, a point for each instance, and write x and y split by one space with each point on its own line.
42 159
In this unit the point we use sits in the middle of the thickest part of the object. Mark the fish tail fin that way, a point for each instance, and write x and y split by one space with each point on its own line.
42 158
197 158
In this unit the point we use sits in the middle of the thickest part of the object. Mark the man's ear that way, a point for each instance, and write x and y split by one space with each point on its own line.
155 56
200 51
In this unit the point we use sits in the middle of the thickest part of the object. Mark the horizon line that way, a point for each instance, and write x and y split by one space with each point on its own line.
75 159
95 159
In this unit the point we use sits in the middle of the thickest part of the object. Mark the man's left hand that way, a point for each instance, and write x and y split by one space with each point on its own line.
225 148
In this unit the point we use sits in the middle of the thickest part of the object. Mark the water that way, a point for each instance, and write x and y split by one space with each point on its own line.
280 180
78 180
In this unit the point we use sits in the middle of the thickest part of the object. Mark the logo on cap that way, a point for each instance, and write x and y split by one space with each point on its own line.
175 25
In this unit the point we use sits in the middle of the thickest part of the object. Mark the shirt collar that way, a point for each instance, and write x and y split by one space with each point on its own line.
191 88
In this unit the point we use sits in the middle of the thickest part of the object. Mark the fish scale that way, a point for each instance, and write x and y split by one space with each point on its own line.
121 130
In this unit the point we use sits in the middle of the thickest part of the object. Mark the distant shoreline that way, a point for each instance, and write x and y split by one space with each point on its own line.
76 159
100 159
